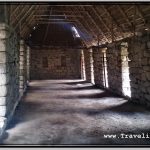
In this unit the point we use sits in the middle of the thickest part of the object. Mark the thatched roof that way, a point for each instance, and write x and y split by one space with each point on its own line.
95 21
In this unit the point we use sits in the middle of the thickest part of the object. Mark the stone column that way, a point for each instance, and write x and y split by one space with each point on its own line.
3 74
22 68
87 65
28 64
83 74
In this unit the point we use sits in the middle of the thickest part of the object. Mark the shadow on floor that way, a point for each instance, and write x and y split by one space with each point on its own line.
74 83
103 94
31 89
4 136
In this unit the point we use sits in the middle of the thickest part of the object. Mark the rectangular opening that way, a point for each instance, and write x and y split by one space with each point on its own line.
92 66
125 70
83 74
104 65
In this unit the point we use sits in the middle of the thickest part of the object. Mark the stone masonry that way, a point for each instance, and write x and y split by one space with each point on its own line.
114 68
28 63
60 64
139 54
23 68
9 74
98 66
139 67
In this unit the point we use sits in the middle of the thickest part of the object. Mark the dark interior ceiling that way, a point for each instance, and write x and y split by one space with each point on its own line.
103 22
56 34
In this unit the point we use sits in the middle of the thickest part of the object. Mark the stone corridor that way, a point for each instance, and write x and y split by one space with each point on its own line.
72 112
74 73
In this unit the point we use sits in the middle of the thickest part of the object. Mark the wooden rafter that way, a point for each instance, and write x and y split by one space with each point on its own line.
84 23
19 15
23 17
113 19
14 11
97 27
30 20
93 20
140 13
101 20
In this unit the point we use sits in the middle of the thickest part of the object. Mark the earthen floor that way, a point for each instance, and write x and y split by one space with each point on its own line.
74 112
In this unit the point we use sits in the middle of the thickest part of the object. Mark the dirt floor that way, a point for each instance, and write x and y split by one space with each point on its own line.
73 112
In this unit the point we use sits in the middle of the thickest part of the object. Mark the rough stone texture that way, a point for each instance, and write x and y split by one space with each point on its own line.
139 54
28 64
75 112
139 68
23 67
9 73
98 66
88 56
56 68
114 68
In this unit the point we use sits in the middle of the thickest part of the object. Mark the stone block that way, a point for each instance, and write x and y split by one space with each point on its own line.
2 101
2 111
148 44
3 79
148 76
3 58
147 96
3 68
144 61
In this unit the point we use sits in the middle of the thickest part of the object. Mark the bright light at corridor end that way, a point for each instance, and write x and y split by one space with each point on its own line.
75 31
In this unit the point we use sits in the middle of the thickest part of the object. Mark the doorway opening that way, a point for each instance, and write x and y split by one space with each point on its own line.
83 74
104 66
92 66
126 89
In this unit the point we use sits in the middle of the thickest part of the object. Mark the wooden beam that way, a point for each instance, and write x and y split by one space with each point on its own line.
114 20
101 19
125 16
14 11
29 20
95 23
83 22
54 22
140 13
19 15
31 7
46 32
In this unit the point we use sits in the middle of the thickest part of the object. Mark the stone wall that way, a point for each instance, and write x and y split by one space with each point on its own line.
136 59
139 54
55 64
28 64
9 74
114 68
98 66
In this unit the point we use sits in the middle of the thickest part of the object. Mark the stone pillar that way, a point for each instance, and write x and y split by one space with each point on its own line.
28 64
114 67
22 62
83 74
4 81
87 65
